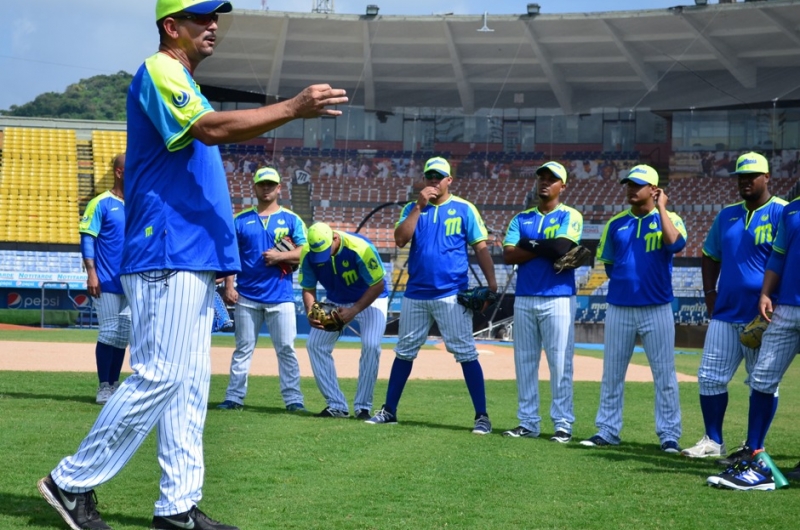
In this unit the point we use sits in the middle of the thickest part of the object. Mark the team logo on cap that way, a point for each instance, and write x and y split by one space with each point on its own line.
317 244
637 170
746 162
14 300
181 100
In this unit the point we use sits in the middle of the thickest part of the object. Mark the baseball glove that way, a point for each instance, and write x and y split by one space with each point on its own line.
475 298
752 332
328 315
286 245
573 259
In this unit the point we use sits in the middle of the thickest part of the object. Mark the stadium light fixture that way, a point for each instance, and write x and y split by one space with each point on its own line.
372 10
533 9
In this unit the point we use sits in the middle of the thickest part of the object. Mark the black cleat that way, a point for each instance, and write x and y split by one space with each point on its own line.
328 412
194 519
745 453
363 414
79 510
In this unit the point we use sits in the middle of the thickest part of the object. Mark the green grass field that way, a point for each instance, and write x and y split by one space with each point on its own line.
269 469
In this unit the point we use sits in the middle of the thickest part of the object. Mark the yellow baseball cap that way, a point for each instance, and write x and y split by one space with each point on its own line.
751 163
198 7
320 241
266 174
437 164
556 169
642 174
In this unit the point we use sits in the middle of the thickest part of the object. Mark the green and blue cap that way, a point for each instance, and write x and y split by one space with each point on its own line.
320 243
751 163
164 8
642 175
266 174
556 169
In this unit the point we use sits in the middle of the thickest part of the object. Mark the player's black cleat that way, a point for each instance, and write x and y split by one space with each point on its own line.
596 441
230 405
194 519
328 412
520 432
383 416
79 510
794 474
363 414
745 453
744 477
561 437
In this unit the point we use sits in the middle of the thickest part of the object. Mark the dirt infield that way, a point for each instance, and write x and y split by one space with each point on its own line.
497 362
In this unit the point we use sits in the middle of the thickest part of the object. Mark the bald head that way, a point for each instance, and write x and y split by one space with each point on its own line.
119 161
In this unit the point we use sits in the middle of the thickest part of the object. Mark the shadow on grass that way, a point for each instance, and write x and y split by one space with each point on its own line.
82 398
36 513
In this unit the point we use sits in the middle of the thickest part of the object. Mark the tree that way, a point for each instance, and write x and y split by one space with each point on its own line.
101 97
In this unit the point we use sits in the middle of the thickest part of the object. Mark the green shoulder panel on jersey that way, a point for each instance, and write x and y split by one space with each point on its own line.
603 237
367 254
575 225
481 226
679 225
247 210
85 224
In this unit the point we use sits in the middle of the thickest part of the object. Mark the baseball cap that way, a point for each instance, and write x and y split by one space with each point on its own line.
198 7
751 163
266 174
438 164
556 169
320 241
641 174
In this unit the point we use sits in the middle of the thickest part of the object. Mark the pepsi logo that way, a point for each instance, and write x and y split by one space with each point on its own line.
14 301
82 301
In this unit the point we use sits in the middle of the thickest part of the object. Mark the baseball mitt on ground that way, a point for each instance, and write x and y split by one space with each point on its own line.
475 298
328 315
576 257
752 333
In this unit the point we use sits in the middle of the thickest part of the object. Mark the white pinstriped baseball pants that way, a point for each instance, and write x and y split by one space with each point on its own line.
780 343
282 327
170 344
655 324
114 319
372 322
544 322
454 321
722 355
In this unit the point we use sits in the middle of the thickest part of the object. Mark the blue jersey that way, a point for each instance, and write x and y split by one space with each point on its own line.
537 277
255 235
179 214
742 244
354 268
787 245
104 219
437 261
641 272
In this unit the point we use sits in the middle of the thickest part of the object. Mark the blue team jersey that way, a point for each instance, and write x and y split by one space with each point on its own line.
642 267
179 214
437 261
787 244
255 235
354 268
537 277
104 219
742 245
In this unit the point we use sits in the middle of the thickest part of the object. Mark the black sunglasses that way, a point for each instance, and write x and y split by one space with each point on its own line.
203 20
434 175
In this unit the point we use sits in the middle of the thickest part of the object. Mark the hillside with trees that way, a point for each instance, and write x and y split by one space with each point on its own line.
101 97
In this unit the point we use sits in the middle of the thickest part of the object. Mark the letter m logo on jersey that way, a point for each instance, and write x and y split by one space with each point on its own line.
452 226
652 241
350 277
280 233
763 234
551 231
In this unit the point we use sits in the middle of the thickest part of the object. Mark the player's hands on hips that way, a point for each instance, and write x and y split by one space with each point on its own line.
93 285
314 101
660 198
229 294
427 193
765 307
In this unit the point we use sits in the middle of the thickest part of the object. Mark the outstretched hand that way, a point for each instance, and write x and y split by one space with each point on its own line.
315 101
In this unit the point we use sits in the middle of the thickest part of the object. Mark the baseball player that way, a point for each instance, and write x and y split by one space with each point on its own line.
636 247
102 230
442 227
263 290
780 343
178 236
735 253
349 268
544 307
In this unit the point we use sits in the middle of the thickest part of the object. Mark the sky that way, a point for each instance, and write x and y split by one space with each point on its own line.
50 44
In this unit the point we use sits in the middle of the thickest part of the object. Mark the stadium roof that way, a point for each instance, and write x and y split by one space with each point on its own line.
687 56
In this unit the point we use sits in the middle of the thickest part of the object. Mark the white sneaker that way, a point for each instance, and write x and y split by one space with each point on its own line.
104 392
704 448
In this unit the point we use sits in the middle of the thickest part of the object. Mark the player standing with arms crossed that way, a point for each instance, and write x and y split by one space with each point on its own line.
439 226
179 236
350 269
735 253
544 307
102 230
636 247
779 345
264 290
